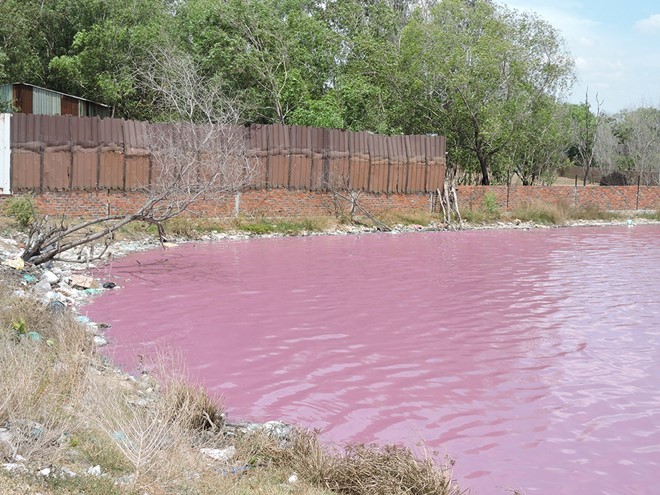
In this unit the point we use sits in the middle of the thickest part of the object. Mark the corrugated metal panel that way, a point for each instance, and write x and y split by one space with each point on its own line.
46 102
319 174
301 157
435 155
70 106
6 97
279 151
338 156
84 172
379 163
398 159
416 150
23 99
258 149
360 160
5 153
26 152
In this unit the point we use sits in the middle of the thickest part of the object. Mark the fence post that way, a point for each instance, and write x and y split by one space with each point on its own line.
5 153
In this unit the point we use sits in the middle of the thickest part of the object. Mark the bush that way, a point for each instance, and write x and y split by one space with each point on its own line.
21 209
615 178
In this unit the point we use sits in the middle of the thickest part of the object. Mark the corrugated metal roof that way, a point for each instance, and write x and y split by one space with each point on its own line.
63 94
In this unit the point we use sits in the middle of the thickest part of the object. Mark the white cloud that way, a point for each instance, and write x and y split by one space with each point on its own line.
649 25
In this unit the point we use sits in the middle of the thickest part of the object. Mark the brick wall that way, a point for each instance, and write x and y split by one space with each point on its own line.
603 198
292 203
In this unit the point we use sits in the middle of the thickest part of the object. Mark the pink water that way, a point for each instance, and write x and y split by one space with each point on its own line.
530 357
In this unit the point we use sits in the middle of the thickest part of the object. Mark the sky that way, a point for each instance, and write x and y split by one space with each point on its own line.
615 44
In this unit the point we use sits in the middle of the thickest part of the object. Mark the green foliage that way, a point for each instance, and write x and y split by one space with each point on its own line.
489 204
21 209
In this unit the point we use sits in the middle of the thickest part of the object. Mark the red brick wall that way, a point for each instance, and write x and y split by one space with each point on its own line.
289 203
604 198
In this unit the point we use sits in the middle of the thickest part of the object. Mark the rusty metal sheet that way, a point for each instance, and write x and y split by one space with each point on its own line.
435 178
56 132
279 152
278 171
56 170
111 134
359 160
319 172
136 138
398 159
85 132
137 171
257 137
70 106
301 157
435 156
84 172
417 168
339 166
25 170
26 132
23 98
379 163
111 170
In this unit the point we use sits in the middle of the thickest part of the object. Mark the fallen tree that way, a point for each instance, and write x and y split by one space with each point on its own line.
198 153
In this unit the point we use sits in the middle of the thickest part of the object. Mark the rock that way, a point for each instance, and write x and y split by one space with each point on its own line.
42 287
57 306
220 454
94 470
100 341
293 478
45 472
50 277
14 467
67 473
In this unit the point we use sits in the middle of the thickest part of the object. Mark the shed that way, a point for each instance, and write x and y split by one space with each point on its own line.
27 98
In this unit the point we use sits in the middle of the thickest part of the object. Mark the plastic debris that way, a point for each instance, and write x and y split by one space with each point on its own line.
16 263
109 285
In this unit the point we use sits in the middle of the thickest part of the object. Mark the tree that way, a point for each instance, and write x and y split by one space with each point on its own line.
584 128
478 70
277 55
112 43
198 154
642 142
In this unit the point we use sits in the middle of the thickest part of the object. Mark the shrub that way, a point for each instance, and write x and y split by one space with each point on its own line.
615 178
21 209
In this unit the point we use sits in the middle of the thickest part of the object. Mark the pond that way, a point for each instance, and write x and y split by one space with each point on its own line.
532 358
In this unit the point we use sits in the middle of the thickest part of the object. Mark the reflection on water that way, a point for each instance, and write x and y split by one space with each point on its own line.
531 357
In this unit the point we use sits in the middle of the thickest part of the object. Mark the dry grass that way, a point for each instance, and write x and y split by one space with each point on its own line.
357 470
43 367
558 213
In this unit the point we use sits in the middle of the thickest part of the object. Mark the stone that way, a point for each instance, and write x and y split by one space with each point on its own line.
220 454
293 478
67 473
94 470
45 472
100 341
50 277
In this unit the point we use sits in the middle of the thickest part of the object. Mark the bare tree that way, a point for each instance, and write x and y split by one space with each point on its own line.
198 154
643 142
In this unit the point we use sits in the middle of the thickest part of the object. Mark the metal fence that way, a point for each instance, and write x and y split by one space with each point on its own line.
88 153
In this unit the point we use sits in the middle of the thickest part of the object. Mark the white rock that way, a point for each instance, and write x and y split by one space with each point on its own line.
68 473
293 478
220 454
45 472
50 277
94 470
100 341
14 467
